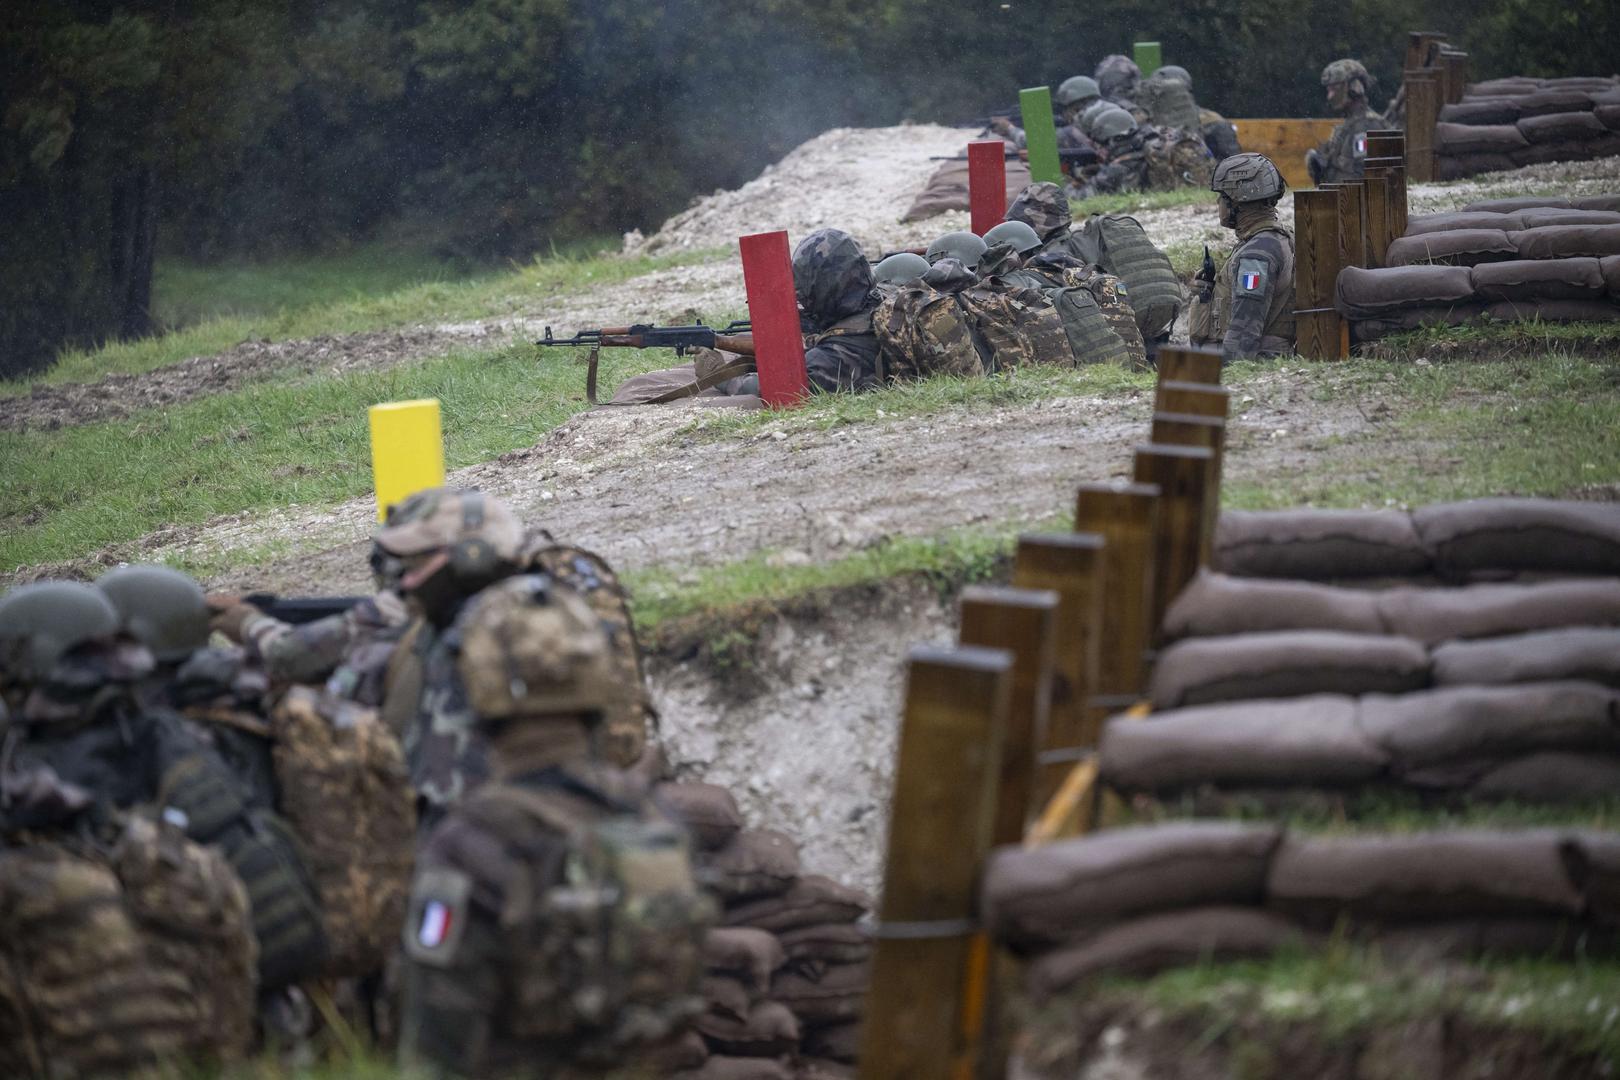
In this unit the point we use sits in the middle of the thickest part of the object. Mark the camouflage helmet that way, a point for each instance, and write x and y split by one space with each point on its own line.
1247 178
962 246
1117 74
40 623
1017 233
901 267
447 518
1111 123
1342 71
831 276
1092 111
1044 208
531 646
161 608
1174 73
1076 88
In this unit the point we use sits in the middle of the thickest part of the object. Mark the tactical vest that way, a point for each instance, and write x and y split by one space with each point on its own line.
922 331
1117 244
1170 104
1078 294
1112 299
120 956
1179 159
1345 155
1018 325
1278 335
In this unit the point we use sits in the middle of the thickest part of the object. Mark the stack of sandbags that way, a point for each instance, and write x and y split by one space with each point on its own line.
1508 123
947 188
1562 273
1140 900
788 967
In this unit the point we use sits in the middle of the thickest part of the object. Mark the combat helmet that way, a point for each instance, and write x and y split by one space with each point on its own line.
1076 88
530 646
1346 70
1017 233
479 533
42 622
1111 123
1117 75
899 268
1175 73
1043 207
964 247
1247 178
1089 115
161 608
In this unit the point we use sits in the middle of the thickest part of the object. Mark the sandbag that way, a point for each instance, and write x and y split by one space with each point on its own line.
831 943
1309 741
1451 874
1555 535
1398 322
1609 266
1286 664
1590 654
1362 293
1549 152
1217 604
1318 544
1457 166
1469 939
1555 102
1511 86
947 188
1502 110
1603 310
1553 215
811 900
768 1030
757 862
1608 116
687 1052
1578 82
1595 865
1478 138
1160 942
1550 778
709 812
1478 611
837 996
840 1042
1470 723
1455 247
1521 202
1545 279
721 1067
1567 241
726 994
1420 224
814 1068
1037 896
745 952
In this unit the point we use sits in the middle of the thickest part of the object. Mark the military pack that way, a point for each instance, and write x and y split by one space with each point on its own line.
1117 244
1018 324
1178 158
346 791
1095 309
923 332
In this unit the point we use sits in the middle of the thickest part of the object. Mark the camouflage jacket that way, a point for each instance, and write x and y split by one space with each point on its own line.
346 650
426 705
836 293
1250 309
1344 155
1126 168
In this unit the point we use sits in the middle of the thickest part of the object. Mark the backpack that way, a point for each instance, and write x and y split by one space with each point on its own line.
1096 314
625 728
1117 244
922 331
346 791
1179 158
120 950
1112 298
1018 324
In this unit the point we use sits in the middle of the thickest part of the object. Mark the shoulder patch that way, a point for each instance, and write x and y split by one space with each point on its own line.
437 919
1361 145
1253 276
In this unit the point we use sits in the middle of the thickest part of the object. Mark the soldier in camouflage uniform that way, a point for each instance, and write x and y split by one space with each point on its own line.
836 294
521 936
1344 155
1120 80
1141 157
1248 308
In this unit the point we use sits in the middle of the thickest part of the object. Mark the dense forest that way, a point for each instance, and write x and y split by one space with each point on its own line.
489 128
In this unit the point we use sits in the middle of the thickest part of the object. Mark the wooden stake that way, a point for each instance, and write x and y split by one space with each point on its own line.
1209 432
1181 474
939 832
987 184
1353 223
1126 516
1040 134
1420 47
1200 399
1390 144
1422 113
1456 64
1316 271
1378 221
1071 565
1189 363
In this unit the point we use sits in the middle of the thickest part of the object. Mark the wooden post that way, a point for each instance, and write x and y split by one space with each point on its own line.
1318 329
1390 144
987 183
1071 565
1352 223
1189 363
407 450
1199 399
1208 432
773 309
1040 134
1126 516
1148 57
1378 222
1181 474
939 832
1422 113
1420 45
1456 64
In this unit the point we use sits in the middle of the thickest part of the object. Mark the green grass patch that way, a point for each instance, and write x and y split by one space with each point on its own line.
1141 200
486 297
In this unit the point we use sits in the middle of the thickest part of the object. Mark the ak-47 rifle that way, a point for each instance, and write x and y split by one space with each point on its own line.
301 609
735 337
1081 156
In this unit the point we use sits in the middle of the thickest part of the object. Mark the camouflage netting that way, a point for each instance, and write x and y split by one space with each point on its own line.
1506 123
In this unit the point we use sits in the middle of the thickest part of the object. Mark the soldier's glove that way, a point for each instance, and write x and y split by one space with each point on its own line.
229 614
1313 162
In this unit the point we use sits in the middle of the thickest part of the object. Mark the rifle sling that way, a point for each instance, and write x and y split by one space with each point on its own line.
740 366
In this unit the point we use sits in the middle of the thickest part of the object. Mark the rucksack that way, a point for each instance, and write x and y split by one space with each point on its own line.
1179 158
922 331
120 950
346 791
1096 315
1117 244
1019 324
625 728
1112 298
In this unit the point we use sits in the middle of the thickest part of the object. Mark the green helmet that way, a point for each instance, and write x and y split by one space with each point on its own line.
531 646
1248 178
1111 123
901 267
1092 111
1174 73
1017 233
161 608
1076 88
1341 71
39 623
964 247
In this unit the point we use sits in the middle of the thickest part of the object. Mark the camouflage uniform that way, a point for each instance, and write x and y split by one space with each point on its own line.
346 651
1120 81
1344 155
836 296
1248 310
1127 165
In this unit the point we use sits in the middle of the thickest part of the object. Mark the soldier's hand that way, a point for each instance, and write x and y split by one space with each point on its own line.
1001 125
1313 163
228 614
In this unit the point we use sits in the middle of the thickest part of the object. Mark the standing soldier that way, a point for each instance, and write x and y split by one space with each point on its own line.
1248 307
554 928
1344 155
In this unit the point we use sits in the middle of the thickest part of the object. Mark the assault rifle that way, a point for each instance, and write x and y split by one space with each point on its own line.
301 609
1081 155
736 336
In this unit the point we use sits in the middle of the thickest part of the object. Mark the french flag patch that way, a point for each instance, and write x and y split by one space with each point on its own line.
436 919
1249 281
1361 146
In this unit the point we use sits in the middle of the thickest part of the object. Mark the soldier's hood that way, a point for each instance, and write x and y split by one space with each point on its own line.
1044 208
831 276
998 259
949 276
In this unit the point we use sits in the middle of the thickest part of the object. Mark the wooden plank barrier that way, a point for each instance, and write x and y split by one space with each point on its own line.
1285 142
1126 516
939 834
1421 47
774 310
1189 363
987 184
1183 477
1379 225
1352 222
1422 113
1208 432
1200 399
1390 145
1320 332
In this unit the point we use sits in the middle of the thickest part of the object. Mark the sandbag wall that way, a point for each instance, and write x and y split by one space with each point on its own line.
1503 261
1507 123
788 967
1140 900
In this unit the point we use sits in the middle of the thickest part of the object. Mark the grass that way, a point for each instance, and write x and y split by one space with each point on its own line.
1141 200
